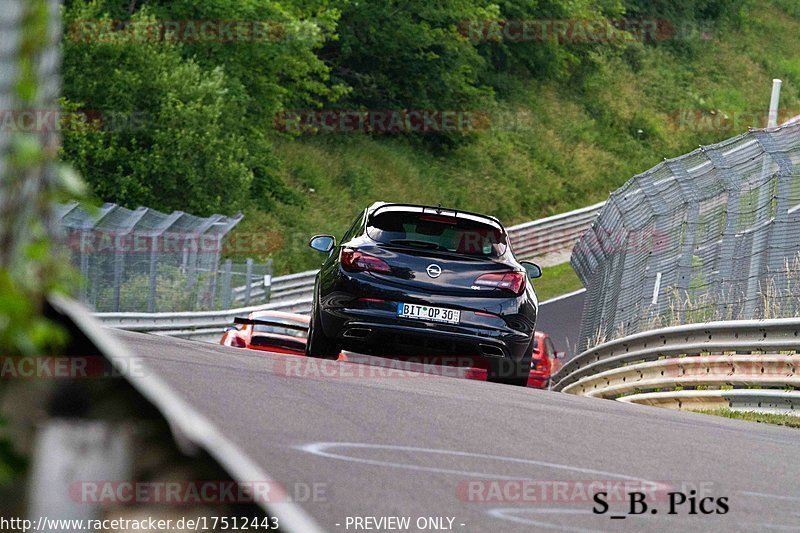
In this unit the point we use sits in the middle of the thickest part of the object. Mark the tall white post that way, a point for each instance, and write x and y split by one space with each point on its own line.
772 118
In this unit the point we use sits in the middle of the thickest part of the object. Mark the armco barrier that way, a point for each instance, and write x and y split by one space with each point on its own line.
551 234
745 364
203 325
282 288
293 292
763 401
292 286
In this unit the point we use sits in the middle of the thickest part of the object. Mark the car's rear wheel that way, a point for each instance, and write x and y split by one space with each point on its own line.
318 345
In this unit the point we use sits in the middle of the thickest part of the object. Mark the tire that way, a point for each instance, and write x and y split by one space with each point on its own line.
318 345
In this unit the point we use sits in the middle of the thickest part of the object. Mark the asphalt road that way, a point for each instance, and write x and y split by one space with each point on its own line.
373 443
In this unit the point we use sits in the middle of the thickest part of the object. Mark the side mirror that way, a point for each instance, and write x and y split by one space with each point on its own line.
533 270
322 243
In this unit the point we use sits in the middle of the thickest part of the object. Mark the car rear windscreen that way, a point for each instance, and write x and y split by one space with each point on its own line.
437 232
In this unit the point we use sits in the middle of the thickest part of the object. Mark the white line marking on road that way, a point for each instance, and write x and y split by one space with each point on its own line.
321 449
756 526
562 297
772 496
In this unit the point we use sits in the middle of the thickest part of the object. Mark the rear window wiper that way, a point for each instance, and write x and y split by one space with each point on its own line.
419 244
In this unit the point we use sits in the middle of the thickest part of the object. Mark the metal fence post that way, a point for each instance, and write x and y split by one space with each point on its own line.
151 296
213 273
84 259
191 267
226 284
118 267
268 282
249 282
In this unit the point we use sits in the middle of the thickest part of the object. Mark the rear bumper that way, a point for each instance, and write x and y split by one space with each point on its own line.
539 380
383 333
360 312
276 349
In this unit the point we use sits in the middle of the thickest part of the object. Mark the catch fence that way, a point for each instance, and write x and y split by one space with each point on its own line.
711 235
146 261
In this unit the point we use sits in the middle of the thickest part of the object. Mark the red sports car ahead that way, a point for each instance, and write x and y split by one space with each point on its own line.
545 361
271 331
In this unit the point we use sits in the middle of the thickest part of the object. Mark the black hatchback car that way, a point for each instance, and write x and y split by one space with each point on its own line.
411 280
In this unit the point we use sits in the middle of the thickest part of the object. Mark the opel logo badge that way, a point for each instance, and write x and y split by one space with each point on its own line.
434 270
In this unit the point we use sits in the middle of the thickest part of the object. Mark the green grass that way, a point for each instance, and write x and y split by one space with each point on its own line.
555 281
778 420
552 146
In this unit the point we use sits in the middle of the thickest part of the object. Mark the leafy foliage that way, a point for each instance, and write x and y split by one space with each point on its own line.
409 54
30 181
546 40
180 123
160 129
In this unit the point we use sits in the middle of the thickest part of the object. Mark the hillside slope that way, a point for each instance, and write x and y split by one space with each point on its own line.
550 147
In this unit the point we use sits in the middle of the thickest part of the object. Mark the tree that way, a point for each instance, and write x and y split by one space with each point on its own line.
409 54
172 122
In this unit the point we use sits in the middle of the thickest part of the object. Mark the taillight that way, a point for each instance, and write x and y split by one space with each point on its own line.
539 362
510 281
238 342
353 261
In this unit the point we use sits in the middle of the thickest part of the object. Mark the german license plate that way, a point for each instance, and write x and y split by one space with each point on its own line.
424 312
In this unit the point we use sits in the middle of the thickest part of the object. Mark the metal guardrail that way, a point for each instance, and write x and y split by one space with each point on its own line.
280 289
762 401
203 325
293 292
551 234
744 365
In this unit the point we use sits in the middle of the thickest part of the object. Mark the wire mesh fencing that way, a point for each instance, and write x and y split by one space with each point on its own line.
711 235
146 261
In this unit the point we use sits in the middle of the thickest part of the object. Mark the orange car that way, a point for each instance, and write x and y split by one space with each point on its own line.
545 361
271 331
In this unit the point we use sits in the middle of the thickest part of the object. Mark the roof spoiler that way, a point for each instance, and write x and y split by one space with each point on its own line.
437 210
